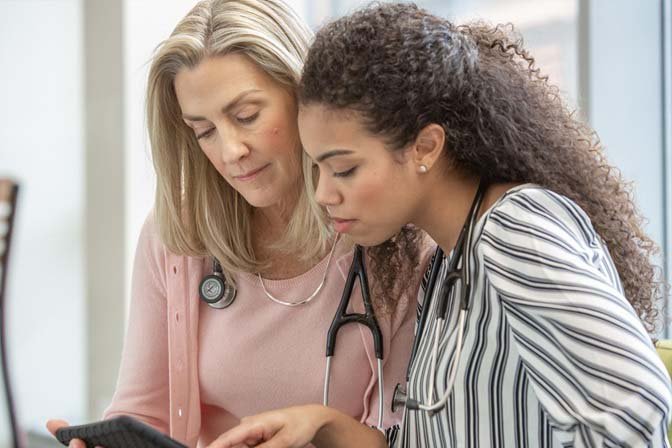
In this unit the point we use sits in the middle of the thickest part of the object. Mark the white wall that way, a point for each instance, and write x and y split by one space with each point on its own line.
41 130
624 94
143 29
625 97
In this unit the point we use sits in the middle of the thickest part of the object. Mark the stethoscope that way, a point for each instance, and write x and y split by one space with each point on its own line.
217 293
368 319
214 289
455 273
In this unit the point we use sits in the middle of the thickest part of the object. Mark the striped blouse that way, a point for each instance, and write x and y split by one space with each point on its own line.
553 354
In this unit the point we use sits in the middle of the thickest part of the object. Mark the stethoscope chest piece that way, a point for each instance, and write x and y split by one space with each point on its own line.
215 291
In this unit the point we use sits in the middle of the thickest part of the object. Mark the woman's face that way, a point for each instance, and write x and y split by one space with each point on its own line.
245 124
370 192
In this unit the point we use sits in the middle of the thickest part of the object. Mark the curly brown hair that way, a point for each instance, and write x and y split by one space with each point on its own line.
395 265
401 68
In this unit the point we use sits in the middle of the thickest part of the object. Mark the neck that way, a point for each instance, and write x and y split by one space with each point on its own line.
445 209
274 217
270 223
449 198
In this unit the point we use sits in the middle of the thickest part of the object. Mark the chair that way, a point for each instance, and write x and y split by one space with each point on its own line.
8 194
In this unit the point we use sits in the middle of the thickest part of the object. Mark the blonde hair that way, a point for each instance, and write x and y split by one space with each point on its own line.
197 212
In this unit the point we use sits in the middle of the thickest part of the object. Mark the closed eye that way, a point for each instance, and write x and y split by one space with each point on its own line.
205 134
345 173
249 119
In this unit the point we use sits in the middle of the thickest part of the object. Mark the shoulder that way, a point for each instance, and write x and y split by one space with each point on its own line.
149 237
532 234
531 215
152 250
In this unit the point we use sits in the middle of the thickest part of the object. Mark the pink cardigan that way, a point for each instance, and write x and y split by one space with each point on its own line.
159 383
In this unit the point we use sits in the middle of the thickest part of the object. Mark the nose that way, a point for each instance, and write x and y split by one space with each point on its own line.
232 148
325 193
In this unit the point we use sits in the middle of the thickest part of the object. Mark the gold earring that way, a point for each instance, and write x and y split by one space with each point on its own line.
423 168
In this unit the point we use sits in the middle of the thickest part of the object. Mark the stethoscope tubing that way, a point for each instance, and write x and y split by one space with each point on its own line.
224 295
460 253
368 319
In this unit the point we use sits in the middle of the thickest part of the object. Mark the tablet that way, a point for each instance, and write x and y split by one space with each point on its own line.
118 432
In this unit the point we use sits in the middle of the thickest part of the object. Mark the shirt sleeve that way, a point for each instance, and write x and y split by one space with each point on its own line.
591 362
142 385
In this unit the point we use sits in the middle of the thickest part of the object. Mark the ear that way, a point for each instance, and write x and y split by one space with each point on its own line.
428 147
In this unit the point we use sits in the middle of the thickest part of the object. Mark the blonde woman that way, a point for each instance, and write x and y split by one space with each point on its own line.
222 118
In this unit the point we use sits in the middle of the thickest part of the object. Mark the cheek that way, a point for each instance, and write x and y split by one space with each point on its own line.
209 152
381 194
281 139
371 193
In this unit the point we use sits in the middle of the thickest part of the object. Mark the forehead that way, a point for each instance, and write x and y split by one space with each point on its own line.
220 77
323 128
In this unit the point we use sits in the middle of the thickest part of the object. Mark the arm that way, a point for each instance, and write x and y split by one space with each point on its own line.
297 426
339 430
589 359
142 386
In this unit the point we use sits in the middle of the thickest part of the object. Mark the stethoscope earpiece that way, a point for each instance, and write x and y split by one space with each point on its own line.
215 291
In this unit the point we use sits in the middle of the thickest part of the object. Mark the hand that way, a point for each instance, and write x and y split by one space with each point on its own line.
55 425
285 428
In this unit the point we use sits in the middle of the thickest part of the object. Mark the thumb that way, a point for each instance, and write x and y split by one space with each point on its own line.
55 424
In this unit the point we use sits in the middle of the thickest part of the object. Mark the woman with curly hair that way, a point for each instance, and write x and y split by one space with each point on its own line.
537 333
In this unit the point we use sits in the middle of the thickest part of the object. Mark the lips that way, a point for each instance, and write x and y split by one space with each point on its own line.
342 225
251 174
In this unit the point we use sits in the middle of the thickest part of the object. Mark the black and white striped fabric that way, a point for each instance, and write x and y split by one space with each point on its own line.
553 354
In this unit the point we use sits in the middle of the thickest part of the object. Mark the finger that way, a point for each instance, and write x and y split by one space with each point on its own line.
281 439
245 434
55 424
76 443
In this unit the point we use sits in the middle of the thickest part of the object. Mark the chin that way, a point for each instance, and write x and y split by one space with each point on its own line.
372 238
261 202
268 195
262 198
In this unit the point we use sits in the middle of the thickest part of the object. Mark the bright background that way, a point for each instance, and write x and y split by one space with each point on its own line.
72 131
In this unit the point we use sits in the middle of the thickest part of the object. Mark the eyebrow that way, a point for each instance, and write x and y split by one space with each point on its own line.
226 108
333 153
